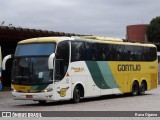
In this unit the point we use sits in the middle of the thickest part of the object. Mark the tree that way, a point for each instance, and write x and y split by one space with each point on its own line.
153 30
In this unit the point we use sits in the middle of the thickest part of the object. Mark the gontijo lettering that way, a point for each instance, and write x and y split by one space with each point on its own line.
129 67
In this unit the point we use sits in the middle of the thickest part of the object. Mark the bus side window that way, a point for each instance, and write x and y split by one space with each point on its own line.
108 52
62 60
78 51
153 53
89 54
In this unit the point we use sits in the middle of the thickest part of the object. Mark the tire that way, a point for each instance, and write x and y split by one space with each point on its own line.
142 89
135 89
42 102
76 95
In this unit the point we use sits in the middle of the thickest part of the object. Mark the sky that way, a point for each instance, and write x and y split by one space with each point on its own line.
92 17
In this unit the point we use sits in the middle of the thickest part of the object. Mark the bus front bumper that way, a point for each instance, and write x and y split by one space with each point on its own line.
46 96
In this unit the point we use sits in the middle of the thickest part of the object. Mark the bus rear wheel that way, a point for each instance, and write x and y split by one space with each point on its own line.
135 89
142 88
76 95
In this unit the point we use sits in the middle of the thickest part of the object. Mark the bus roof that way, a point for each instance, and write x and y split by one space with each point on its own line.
44 40
103 38
84 38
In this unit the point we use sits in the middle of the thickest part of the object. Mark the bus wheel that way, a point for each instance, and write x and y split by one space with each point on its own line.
142 89
42 102
76 95
135 89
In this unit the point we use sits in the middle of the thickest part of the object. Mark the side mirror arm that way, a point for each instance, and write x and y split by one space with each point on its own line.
50 61
5 59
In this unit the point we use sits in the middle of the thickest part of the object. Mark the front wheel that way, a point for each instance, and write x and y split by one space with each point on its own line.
76 95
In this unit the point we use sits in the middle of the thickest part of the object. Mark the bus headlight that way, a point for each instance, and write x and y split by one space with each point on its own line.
47 90
14 90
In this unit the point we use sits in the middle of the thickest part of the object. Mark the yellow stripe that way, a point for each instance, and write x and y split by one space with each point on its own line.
22 88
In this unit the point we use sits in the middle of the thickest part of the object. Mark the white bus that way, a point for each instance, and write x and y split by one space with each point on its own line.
61 68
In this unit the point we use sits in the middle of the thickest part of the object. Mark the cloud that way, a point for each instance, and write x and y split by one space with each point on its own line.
97 17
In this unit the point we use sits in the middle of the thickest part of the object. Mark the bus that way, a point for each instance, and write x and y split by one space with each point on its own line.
71 68
0 69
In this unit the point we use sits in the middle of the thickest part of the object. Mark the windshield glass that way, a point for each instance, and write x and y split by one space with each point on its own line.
30 65
31 71
35 49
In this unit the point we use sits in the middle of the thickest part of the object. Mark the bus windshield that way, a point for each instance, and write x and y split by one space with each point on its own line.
30 65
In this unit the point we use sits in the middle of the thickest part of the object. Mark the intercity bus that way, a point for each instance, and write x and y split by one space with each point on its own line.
64 68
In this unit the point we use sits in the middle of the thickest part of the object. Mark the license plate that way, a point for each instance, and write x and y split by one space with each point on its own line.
29 96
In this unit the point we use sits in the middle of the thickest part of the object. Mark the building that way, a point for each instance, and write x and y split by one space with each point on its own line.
137 33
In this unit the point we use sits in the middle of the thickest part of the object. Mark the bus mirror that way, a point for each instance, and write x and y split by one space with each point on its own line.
5 59
50 61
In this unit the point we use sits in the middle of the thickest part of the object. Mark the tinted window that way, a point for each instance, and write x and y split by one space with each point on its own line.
63 51
111 52
62 60
91 51
152 53
79 51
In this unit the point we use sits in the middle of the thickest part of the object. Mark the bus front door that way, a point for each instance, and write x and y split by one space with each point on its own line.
62 81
